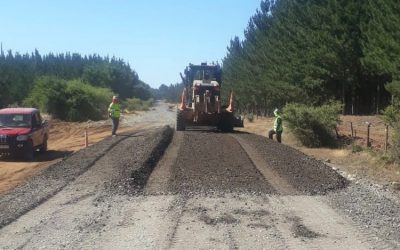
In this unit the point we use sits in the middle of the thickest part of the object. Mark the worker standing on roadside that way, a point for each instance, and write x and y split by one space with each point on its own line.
278 128
114 112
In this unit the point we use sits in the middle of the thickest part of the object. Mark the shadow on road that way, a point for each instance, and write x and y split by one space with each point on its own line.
49 155
211 129
124 135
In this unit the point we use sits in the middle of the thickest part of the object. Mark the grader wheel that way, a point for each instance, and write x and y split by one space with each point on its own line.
180 121
225 124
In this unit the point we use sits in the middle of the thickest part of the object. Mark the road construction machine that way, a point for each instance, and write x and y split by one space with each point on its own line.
201 100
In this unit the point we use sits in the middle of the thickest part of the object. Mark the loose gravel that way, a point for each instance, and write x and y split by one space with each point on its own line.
373 206
46 184
96 199
134 171
210 162
304 173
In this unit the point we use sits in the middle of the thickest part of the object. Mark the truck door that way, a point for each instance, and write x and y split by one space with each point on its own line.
36 129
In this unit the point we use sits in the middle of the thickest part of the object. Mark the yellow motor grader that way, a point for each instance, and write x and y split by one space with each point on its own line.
201 100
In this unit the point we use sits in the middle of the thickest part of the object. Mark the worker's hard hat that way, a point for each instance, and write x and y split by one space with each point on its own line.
276 111
115 97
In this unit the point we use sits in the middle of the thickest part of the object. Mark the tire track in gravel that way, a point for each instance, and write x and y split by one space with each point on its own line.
307 222
176 211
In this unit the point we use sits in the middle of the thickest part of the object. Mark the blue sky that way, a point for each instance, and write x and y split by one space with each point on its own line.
158 38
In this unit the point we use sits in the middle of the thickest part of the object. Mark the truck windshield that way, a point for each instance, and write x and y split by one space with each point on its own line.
15 120
204 75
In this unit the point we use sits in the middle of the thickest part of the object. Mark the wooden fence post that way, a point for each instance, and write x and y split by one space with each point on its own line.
86 138
386 137
337 133
368 130
352 131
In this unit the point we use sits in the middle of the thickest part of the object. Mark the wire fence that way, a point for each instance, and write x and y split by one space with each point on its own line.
370 133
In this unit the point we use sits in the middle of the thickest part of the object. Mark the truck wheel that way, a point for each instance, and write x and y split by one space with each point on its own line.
226 123
43 148
29 152
227 127
180 121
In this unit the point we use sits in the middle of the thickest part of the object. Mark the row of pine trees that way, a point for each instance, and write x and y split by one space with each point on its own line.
20 72
312 51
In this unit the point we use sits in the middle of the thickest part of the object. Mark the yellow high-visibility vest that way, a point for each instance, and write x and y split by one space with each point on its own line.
114 110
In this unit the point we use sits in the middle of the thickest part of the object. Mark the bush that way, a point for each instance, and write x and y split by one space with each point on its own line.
86 101
313 126
135 104
395 147
69 100
355 148
392 117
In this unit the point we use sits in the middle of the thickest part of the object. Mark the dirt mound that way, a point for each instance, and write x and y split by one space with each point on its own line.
304 173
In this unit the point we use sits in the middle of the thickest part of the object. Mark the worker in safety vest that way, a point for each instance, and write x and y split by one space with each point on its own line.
114 112
278 128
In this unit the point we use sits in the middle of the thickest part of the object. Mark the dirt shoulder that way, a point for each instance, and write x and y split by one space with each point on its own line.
365 163
65 138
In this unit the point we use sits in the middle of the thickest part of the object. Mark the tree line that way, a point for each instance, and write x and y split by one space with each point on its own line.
170 93
20 72
311 52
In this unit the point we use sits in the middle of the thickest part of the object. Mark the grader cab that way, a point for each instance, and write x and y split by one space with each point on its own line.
201 100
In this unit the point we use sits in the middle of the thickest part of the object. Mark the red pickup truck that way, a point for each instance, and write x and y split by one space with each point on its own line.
22 132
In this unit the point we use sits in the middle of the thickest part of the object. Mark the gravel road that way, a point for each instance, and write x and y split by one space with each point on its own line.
155 189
